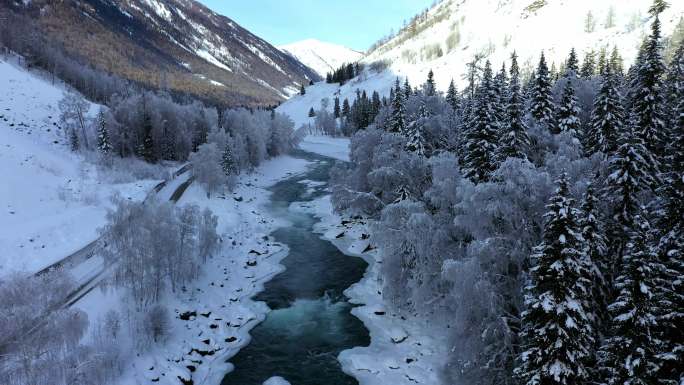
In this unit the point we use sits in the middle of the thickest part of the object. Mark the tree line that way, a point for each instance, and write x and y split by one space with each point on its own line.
537 224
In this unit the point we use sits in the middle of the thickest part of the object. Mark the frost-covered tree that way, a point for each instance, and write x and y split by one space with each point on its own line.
207 169
228 164
628 356
568 119
557 335
73 116
398 115
607 118
514 140
481 139
541 103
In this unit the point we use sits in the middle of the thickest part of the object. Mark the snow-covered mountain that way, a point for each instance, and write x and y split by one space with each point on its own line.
320 56
454 32
179 43
449 35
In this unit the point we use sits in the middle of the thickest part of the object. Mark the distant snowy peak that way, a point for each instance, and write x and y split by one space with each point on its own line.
320 56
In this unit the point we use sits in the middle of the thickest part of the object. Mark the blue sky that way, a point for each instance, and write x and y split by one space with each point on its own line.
353 23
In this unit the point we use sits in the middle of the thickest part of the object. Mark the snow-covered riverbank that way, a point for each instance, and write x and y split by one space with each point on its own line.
400 351
211 320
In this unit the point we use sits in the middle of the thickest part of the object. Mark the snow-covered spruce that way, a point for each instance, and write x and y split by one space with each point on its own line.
557 336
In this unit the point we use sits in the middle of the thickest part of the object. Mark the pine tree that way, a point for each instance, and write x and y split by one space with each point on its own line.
607 118
312 113
147 147
669 212
500 84
616 63
588 65
408 91
514 140
629 355
228 164
648 101
416 141
74 143
595 244
557 335
452 97
481 138
302 90
602 61
572 65
376 104
398 116
632 171
568 112
336 108
345 108
430 85
675 89
542 105
103 143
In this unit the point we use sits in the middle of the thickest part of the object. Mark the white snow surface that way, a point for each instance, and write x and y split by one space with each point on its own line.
320 56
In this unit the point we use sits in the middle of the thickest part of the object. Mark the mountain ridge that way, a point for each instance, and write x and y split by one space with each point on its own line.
181 43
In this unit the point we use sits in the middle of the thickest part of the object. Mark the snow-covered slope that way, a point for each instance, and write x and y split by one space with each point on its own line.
320 56
453 32
52 200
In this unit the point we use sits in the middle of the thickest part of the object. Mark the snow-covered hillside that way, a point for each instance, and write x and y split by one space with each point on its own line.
320 56
52 200
455 31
